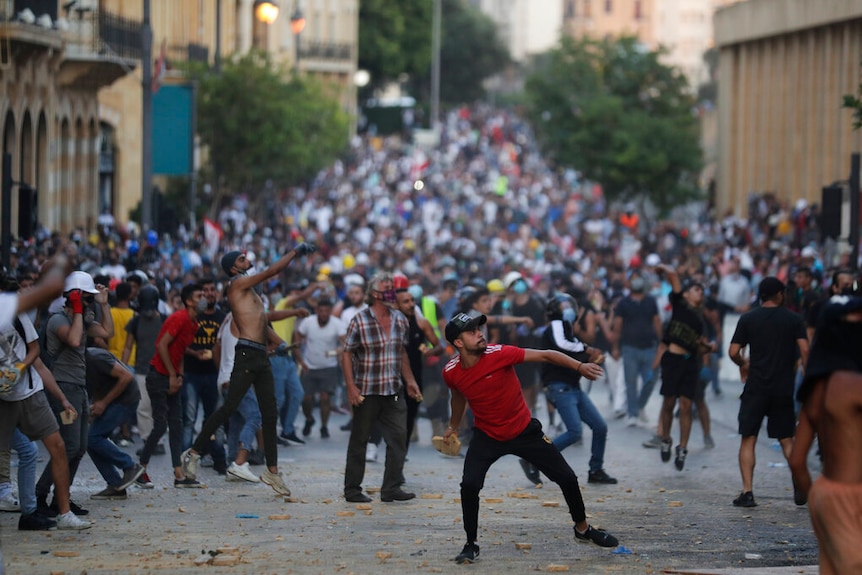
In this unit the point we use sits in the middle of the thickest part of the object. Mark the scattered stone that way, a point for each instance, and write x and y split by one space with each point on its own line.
227 550
66 554
493 500
203 560
226 560
279 517
363 506
675 504
523 545
431 496
345 513
383 555
522 495
550 503
552 568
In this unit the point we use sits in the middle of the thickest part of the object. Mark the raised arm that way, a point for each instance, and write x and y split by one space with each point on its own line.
248 282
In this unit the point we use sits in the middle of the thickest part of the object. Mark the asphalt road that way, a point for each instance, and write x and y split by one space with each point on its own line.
668 520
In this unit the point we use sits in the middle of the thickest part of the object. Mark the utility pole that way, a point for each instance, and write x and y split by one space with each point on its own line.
854 211
218 38
147 128
435 66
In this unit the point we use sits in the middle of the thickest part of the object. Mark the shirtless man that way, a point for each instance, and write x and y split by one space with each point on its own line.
831 396
251 364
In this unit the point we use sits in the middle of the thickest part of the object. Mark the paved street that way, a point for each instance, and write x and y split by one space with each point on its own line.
669 520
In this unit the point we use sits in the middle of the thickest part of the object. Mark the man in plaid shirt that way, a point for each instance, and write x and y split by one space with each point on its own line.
374 361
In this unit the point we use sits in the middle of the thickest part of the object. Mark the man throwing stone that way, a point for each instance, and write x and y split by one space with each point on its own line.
251 364
484 376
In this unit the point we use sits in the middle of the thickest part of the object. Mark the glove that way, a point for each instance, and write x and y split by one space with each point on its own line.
76 302
304 249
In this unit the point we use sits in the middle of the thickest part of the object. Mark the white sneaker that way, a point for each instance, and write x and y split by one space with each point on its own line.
190 463
275 481
242 472
8 502
631 422
643 416
371 452
72 522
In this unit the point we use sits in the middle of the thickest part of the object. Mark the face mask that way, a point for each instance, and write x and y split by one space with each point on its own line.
569 315
520 287
202 305
637 285
89 315
387 296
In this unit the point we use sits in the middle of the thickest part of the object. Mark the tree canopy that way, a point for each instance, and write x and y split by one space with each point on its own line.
260 126
613 111
854 102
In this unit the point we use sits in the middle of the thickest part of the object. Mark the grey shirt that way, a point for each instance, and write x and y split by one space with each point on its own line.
69 363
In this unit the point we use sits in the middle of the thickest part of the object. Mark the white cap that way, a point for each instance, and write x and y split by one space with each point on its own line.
80 280
511 278
652 260
354 279
808 252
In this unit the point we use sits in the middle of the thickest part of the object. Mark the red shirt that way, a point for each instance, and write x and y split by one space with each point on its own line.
183 328
493 390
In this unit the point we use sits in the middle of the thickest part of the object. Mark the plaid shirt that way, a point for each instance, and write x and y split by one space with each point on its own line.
376 359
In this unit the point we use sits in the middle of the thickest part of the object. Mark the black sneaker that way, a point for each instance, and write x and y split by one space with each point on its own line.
187 483
306 429
601 476
324 433
598 536
531 472
679 461
36 522
130 475
666 445
45 510
144 481
110 494
745 499
293 438
469 554
347 426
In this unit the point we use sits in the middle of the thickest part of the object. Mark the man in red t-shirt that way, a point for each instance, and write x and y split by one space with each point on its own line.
485 377
165 379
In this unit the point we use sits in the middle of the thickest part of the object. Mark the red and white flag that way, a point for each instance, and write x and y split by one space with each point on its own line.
212 236
161 66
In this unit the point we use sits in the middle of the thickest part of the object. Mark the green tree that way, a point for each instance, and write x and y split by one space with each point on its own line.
854 102
613 111
394 39
258 126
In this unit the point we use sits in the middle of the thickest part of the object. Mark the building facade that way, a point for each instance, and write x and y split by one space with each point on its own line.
526 27
784 68
71 85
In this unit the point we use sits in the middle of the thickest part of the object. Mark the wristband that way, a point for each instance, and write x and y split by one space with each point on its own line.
578 369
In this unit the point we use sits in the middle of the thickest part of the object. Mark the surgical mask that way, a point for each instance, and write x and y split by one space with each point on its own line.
520 287
387 296
569 315
202 305
637 284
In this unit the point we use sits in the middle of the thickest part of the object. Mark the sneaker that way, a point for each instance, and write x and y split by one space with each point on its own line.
144 481
600 476
598 536
190 463
275 481
631 421
531 472
666 445
324 433
36 522
293 438
709 442
282 440
110 494
347 426
745 499
371 452
306 429
242 472
188 483
679 461
72 522
643 416
397 495
469 554
9 502
653 443
206 461
73 507
130 475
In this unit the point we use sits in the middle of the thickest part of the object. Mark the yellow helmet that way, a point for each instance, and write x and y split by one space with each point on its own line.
349 261
496 286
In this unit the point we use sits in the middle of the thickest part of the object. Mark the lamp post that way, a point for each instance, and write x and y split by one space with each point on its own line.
297 25
266 11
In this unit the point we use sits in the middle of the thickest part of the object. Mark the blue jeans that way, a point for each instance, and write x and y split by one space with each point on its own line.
106 456
288 390
200 388
28 453
244 425
575 409
638 362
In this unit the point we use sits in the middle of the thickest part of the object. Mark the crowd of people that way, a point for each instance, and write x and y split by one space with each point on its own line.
383 249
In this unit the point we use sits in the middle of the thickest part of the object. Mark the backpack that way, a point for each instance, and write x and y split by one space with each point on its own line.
46 356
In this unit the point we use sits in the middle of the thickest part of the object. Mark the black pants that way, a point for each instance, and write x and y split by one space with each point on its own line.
167 414
532 445
251 367
390 412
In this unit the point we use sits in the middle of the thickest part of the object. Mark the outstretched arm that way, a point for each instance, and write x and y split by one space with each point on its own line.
248 282
589 370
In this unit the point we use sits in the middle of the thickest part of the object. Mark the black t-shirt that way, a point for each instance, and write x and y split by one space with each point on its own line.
559 337
638 316
686 325
771 334
205 338
100 363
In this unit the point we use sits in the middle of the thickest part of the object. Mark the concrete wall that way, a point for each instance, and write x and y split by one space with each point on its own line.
784 68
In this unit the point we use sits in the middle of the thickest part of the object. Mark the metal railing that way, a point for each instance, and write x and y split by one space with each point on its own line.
122 36
187 53
325 50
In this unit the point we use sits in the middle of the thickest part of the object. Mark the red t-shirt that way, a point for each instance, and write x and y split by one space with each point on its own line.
493 390
183 328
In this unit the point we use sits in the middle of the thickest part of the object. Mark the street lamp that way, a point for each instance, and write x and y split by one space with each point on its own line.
297 25
266 11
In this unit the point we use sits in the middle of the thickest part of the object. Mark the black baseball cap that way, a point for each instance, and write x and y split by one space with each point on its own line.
460 323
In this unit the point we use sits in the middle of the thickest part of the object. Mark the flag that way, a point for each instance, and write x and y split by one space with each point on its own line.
212 236
161 66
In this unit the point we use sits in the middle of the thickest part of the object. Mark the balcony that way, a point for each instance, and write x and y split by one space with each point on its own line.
325 51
